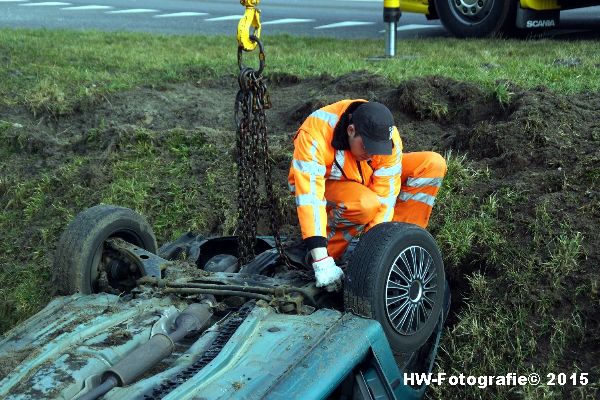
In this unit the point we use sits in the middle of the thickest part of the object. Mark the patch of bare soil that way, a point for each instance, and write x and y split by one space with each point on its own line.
543 144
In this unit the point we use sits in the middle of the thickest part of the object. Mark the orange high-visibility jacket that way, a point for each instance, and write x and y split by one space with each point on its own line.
315 160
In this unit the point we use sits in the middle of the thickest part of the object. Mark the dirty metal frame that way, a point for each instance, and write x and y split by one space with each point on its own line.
277 292
149 264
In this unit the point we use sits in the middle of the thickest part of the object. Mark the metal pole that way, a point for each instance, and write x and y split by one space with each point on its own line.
390 42
391 15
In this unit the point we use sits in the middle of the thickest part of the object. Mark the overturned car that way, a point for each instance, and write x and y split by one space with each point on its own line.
186 321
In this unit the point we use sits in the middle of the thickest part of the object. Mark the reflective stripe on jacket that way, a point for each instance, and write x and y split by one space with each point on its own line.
315 160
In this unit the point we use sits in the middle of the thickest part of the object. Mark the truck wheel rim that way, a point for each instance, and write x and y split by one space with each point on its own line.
410 290
470 10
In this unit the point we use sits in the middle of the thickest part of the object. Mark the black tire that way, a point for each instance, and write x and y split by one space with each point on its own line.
372 265
81 245
496 16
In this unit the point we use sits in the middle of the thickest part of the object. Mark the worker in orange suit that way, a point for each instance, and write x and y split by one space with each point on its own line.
348 173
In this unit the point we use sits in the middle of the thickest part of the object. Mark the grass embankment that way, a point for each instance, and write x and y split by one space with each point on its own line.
511 299
53 75
54 71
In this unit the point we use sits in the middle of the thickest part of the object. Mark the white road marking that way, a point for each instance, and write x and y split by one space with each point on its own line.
287 21
48 3
180 14
132 11
11 1
225 18
344 24
92 7
412 27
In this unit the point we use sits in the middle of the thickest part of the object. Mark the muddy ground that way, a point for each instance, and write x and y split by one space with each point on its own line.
541 145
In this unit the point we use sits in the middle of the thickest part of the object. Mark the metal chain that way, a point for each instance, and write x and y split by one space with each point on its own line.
251 102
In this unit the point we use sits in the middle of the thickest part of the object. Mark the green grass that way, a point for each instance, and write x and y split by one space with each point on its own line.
54 78
511 318
465 222
150 172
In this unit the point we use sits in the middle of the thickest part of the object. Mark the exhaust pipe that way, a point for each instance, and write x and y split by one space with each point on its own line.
194 318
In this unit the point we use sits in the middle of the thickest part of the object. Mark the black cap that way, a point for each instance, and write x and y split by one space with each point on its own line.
374 122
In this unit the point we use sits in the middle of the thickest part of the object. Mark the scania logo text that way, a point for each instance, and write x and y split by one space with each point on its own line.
548 23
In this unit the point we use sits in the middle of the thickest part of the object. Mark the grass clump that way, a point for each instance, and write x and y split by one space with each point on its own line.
466 225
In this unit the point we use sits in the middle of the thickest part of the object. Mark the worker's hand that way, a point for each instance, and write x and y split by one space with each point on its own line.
328 274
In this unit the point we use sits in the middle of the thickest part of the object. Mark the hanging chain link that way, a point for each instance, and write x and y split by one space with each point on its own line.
251 102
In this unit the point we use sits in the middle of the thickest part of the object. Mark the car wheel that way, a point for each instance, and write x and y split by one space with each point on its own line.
396 276
477 18
81 256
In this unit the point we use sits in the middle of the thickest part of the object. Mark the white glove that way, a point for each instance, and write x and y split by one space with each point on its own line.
327 273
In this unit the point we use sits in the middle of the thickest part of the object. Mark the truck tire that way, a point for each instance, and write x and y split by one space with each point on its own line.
81 246
396 276
477 18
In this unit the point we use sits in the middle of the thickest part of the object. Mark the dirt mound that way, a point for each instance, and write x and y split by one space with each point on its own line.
537 132
545 142
445 100
540 129
299 112
359 82
187 107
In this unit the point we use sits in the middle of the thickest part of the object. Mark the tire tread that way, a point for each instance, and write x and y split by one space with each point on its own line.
369 267
354 298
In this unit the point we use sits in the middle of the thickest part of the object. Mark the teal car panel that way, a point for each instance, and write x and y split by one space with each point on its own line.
71 342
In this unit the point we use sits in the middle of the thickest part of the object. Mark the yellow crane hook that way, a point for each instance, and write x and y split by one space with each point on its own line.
251 18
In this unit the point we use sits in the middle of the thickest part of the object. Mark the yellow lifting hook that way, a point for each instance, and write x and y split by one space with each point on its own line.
251 18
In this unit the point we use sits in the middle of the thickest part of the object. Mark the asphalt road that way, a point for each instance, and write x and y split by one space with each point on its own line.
332 18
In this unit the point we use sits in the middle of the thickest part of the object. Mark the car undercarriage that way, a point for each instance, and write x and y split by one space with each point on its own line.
186 320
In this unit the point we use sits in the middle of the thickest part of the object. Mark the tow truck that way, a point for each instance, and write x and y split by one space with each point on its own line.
479 18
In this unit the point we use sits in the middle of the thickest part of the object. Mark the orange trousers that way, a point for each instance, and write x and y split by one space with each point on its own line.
351 206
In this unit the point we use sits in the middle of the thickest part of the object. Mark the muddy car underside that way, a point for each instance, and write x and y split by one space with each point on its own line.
187 321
